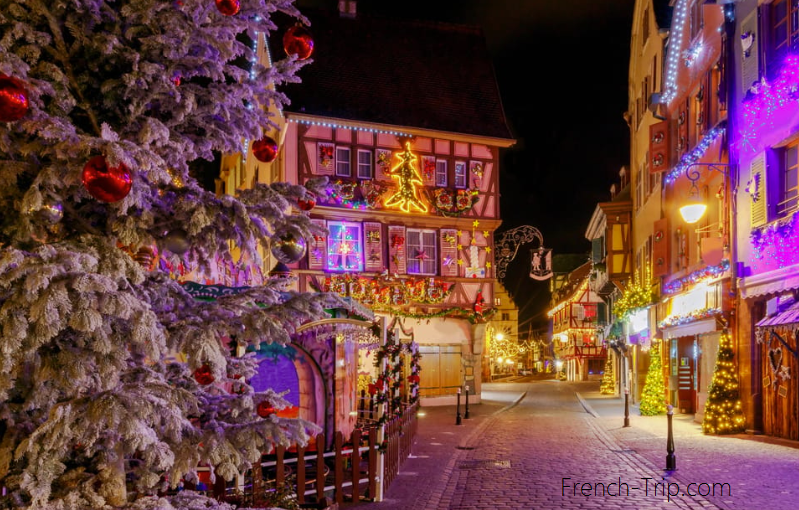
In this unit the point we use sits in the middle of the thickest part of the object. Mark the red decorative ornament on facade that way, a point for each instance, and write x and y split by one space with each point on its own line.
203 375
265 149
228 7
106 183
265 409
298 41
307 204
13 99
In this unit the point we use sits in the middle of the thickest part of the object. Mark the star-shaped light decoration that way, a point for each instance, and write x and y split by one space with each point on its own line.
475 223
421 255
485 233
459 233
488 249
488 265
460 262
447 261
460 246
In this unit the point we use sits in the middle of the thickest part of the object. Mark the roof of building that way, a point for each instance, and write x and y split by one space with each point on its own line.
404 73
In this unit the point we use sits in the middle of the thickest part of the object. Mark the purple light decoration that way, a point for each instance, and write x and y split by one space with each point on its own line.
697 152
774 104
701 274
344 251
776 245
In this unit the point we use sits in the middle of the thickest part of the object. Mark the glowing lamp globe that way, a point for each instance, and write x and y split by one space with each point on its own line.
692 212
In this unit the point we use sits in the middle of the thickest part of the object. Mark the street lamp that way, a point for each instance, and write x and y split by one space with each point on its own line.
695 208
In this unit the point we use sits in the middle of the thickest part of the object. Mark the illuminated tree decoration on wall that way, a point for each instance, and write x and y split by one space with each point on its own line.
608 386
636 296
653 398
723 412
408 178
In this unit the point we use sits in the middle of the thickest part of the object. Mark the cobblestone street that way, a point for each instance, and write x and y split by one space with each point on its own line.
548 444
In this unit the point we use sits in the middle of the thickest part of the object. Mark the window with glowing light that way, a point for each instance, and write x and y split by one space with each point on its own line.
344 246
421 251
441 172
460 174
364 164
343 162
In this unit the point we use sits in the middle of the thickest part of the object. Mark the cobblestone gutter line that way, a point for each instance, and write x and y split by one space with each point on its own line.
450 475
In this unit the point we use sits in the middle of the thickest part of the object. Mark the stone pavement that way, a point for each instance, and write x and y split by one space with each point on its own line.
762 473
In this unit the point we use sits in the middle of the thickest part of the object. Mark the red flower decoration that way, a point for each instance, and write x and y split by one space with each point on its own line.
372 389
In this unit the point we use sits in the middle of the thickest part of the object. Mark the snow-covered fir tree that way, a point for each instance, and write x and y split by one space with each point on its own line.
105 106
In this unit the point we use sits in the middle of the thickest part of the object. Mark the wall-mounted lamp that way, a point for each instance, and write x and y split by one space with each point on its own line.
695 207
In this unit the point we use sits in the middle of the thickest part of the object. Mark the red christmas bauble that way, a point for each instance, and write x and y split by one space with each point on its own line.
203 375
105 183
265 149
308 204
372 389
13 99
265 409
228 7
298 41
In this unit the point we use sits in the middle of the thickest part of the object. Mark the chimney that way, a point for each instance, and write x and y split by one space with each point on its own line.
347 8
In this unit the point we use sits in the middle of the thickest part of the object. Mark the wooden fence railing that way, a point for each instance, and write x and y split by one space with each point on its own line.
351 472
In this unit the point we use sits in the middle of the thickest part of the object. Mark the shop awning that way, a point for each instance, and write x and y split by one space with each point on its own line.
773 282
690 329
789 315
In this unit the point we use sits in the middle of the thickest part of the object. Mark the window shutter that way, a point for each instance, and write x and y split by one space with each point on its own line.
660 248
757 190
429 244
449 252
659 147
374 246
596 250
396 249
750 58
317 248
578 312
601 313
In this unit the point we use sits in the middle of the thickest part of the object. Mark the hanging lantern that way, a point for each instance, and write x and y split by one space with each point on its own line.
13 99
298 41
105 183
308 203
228 7
203 375
288 248
265 149
265 409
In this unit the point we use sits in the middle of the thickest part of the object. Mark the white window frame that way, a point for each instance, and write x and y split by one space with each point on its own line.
441 173
354 262
414 242
461 175
343 165
365 167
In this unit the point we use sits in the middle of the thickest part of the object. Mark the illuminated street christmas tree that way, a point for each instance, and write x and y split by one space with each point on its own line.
608 386
653 398
723 413
115 382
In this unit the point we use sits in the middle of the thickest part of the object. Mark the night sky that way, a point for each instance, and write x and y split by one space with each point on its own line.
562 72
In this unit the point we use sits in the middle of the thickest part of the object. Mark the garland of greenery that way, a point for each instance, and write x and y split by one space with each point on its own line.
387 386
452 313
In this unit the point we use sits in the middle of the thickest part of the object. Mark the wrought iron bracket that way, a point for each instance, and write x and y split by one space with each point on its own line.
507 246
